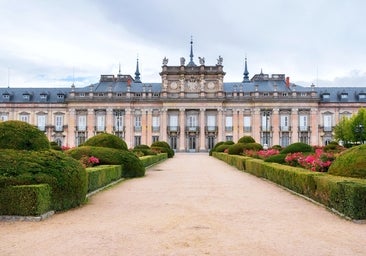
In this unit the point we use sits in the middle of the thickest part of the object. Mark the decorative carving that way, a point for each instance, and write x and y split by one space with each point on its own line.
220 60
211 85
182 61
165 61
202 60
173 85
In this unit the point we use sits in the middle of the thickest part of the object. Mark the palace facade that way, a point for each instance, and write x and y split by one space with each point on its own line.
192 108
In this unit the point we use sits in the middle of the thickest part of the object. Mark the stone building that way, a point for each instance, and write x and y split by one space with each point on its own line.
192 108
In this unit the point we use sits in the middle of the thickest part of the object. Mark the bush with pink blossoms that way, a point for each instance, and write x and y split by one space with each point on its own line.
317 162
264 154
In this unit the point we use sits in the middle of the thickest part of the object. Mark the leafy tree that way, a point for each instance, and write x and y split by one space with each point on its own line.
353 129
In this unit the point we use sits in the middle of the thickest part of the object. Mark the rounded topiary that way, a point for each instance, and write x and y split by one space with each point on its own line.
106 140
222 148
277 147
236 149
229 142
142 146
218 144
66 176
252 146
351 163
22 136
280 159
297 147
162 144
246 139
112 156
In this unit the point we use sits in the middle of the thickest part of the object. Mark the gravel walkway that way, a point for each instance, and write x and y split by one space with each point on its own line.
192 204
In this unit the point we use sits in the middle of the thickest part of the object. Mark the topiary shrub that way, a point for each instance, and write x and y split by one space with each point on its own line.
112 156
22 136
142 146
246 139
236 149
253 146
55 146
229 142
280 159
66 176
297 147
157 145
277 147
351 163
143 150
106 140
222 148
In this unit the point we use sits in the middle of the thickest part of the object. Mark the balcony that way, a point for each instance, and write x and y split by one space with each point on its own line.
228 128
59 128
80 128
327 128
137 128
266 128
211 128
100 128
173 129
192 129
155 128
118 128
247 129
285 128
304 128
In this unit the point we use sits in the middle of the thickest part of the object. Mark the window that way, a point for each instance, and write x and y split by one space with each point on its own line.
211 123
285 123
156 123
155 138
229 138
59 123
82 123
100 123
3 117
192 121
266 123
24 118
118 121
43 96
138 123
327 122
26 97
228 123
303 122
41 122
247 124
137 140
173 122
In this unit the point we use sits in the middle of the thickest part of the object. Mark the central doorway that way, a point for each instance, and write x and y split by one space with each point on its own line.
192 143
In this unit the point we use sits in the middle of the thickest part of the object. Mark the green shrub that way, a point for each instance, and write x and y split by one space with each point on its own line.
297 147
229 142
143 150
351 163
150 160
25 200
65 176
55 146
132 166
253 146
102 175
236 149
142 146
222 148
218 144
106 140
246 139
22 136
280 159
157 145
277 147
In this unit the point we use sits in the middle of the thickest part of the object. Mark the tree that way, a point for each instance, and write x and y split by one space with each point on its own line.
353 129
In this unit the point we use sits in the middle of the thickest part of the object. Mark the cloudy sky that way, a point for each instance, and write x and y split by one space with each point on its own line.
53 43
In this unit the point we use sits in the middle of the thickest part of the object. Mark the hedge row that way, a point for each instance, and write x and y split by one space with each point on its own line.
25 200
345 195
102 175
152 159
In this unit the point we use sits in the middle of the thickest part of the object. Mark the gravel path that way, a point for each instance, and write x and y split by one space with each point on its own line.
192 204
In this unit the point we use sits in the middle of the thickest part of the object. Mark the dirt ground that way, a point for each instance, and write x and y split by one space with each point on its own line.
192 204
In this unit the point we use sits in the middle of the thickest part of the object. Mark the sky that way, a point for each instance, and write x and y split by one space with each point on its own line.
51 43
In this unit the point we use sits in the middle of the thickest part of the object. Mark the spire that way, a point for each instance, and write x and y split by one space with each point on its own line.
246 73
137 73
119 69
191 63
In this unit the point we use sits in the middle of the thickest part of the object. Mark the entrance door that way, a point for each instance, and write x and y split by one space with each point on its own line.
173 142
191 143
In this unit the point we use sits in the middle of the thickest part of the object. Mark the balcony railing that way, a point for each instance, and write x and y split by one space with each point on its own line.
304 128
155 128
327 128
211 128
285 128
80 128
247 128
173 129
100 128
228 128
137 128
266 128
192 128
118 128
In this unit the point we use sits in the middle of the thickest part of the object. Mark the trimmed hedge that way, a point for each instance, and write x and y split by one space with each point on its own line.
351 163
346 195
246 139
152 159
101 175
66 176
25 200
280 159
297 147
132 165
162 147
22 136
106 140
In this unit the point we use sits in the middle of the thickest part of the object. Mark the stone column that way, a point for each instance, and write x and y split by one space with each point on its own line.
314 124
128 127
276 124
70 133
294 125
256 131
202 146
148 126
163 124
90 123
235 125
182 126
109 120
220 125
240 123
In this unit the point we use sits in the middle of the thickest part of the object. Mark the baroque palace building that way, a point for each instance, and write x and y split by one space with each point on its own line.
191 109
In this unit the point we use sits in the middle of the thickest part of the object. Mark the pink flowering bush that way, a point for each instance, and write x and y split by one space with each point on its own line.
65 148
89 161
263 154
317 162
